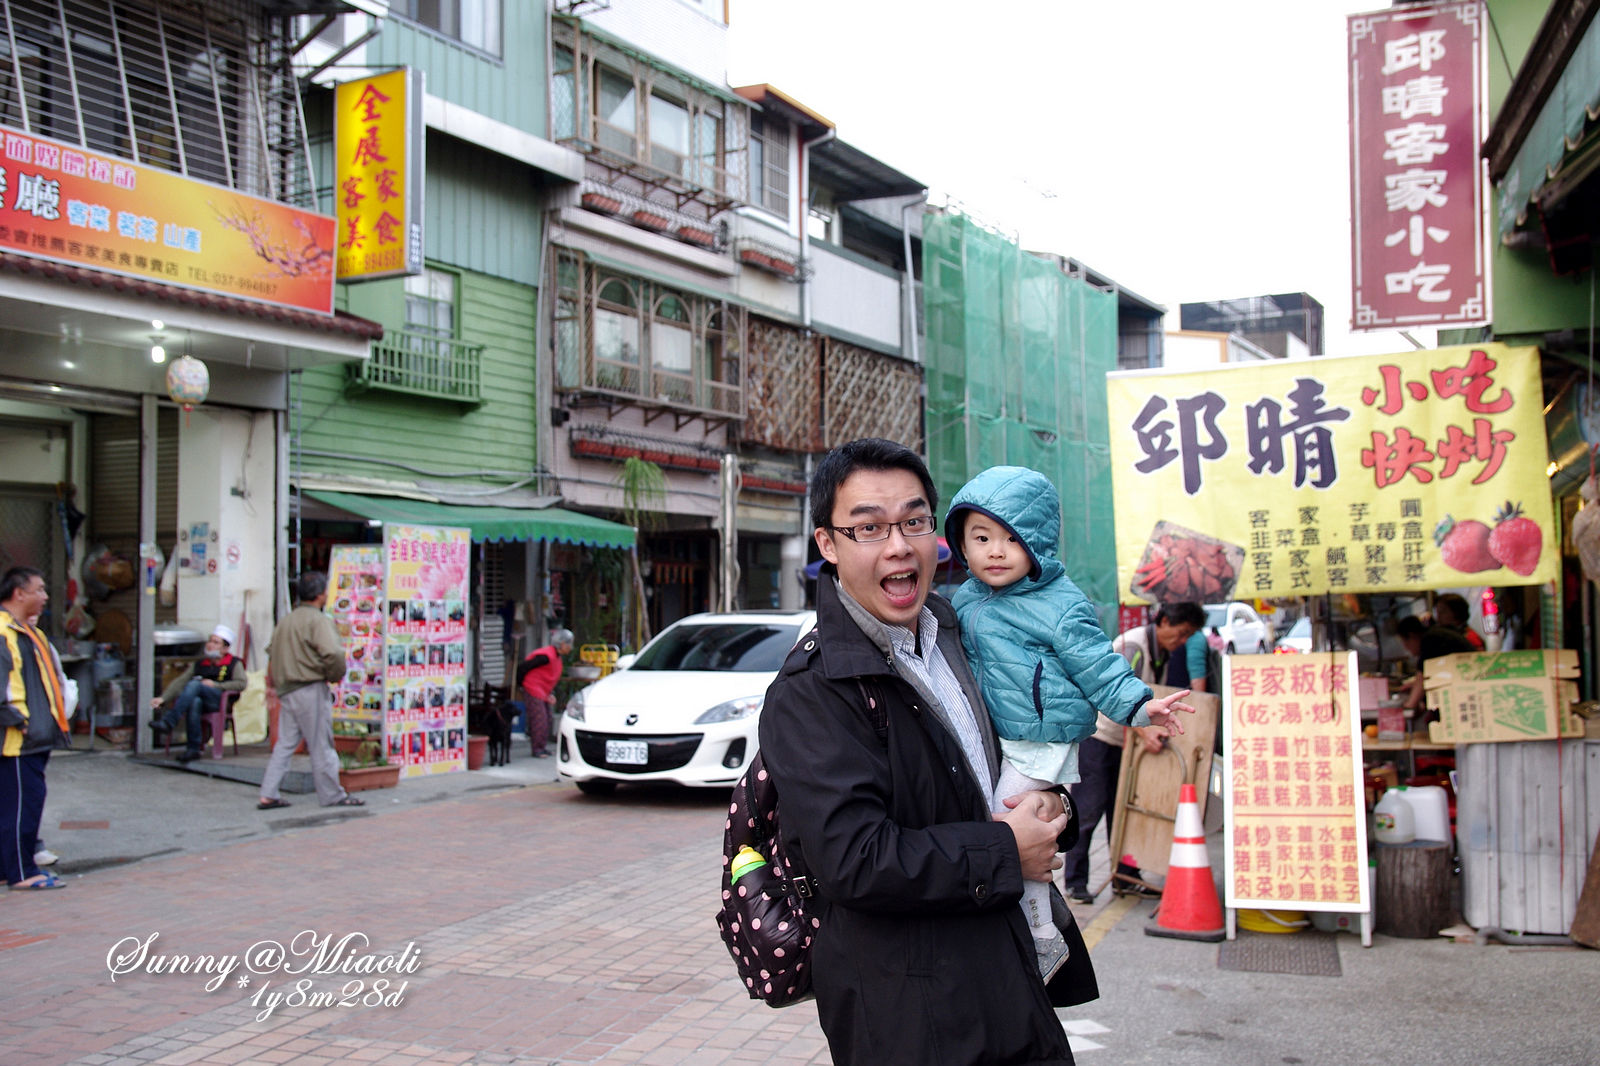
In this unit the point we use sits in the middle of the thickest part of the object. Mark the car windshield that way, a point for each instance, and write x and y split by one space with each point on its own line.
1216 616
1301 628
742 647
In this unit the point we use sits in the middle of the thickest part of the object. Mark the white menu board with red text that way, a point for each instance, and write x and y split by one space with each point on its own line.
1294 811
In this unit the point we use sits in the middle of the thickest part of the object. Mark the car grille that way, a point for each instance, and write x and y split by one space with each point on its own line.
666 752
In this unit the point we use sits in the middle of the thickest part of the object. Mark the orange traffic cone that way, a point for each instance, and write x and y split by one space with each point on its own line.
1189 909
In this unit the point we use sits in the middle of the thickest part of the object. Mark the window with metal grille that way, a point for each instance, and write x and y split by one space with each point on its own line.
644 119
769 164
475 23
202 90
631 337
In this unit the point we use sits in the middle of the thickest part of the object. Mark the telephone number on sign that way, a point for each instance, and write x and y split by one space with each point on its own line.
305 993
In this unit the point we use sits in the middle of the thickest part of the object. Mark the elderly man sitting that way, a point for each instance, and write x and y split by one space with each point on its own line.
198 691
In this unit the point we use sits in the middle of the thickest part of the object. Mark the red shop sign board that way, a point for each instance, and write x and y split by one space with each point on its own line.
1416 180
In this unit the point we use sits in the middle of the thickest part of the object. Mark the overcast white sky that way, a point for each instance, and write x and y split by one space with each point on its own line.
1188 151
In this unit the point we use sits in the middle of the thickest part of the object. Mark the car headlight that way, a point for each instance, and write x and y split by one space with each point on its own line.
574 708
732 711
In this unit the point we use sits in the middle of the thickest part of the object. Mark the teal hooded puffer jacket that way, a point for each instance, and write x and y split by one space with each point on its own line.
1036 646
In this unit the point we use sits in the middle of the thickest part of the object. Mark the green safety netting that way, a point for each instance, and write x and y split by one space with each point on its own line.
1017 354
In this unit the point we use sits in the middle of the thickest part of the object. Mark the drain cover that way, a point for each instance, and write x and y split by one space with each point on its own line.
1306 954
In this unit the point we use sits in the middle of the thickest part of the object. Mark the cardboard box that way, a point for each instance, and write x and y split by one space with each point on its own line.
1497 697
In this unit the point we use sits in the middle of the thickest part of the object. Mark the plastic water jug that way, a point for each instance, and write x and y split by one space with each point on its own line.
1430 812
1392 819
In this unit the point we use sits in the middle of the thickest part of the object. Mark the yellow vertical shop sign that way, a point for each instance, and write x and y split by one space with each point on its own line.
1390 473
1294 809
378 138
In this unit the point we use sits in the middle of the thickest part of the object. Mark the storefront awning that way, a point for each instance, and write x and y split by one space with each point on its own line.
1547 127
488 523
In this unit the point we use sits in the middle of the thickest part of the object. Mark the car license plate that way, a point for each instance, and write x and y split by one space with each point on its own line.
627 752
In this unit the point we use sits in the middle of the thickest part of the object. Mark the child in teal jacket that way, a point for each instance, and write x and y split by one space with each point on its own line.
1037 649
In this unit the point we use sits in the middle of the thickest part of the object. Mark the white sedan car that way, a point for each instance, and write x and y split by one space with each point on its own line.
685 709
1235 627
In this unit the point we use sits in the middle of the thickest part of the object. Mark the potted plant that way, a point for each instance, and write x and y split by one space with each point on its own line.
477 748
348 736
695 235
367 768
591 446
651 220
781 266
599 201
755 258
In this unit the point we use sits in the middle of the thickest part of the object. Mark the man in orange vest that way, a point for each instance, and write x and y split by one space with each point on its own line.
536 677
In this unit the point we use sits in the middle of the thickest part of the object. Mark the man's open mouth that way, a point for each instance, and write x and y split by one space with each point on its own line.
900 587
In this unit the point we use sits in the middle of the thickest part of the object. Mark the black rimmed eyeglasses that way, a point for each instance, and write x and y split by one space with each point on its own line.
871 532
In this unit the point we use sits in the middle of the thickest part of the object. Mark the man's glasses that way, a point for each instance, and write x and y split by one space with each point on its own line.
872 532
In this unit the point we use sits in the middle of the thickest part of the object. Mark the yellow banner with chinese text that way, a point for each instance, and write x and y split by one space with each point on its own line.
378 145
1303 477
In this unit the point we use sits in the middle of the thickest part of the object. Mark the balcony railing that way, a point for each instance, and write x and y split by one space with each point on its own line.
421 365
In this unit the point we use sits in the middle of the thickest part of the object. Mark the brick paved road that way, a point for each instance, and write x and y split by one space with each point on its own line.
554 929
551 929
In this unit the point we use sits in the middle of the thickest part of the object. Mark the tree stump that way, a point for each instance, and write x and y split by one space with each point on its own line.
1413 889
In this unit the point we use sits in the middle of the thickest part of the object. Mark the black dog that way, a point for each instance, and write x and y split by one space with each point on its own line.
495 720
497 724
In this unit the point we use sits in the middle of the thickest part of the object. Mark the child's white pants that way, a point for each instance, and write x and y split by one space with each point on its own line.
1035 894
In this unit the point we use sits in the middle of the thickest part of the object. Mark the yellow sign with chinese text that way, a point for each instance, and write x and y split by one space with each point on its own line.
1391 473
378 142
1293 809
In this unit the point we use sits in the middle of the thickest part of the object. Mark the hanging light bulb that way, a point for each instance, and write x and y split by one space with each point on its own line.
158 354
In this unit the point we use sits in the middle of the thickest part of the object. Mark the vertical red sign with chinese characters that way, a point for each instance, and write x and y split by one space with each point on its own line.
1416 187
1295 813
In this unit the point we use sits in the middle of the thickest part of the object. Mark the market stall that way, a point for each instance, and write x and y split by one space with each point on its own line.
1366 489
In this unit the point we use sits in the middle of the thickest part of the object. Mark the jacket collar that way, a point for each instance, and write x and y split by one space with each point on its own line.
856 644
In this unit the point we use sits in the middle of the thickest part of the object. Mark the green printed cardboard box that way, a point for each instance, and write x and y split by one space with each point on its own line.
1494 697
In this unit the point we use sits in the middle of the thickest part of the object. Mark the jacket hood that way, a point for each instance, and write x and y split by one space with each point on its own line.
1028 505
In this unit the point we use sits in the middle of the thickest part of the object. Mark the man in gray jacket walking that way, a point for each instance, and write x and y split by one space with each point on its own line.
305 656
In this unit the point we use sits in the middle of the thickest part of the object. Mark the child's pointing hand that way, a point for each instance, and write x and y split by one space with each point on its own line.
1161 715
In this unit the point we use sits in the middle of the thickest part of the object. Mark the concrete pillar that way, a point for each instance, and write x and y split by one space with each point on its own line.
791 583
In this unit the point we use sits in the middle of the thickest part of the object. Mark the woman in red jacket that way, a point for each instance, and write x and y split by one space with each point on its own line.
536 677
